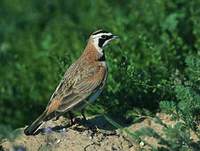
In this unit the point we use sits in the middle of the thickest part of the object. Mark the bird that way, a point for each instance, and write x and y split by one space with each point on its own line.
81 84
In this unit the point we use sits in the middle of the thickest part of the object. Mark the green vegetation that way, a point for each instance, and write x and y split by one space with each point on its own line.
154 67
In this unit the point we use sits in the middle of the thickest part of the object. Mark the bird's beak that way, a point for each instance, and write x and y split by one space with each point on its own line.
115 37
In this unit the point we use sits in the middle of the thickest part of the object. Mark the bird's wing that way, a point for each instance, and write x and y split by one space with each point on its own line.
84 83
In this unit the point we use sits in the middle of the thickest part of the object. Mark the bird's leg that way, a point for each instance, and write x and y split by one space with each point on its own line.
82 113
56 117
71 116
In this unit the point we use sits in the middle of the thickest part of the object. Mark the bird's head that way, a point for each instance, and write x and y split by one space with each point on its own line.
101 38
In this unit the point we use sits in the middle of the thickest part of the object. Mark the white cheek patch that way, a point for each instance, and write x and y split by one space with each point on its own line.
105 43
96 41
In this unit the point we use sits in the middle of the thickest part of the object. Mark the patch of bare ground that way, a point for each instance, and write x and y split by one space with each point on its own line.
96 134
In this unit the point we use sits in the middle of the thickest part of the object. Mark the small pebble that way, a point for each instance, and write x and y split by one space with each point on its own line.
62 130
58 141
141 144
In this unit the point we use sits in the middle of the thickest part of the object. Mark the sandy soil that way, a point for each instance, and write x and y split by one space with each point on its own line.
96 134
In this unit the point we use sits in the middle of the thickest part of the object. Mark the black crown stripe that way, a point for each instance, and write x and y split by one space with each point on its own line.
99 31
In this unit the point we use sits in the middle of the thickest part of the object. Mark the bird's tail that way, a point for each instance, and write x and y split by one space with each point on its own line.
30 130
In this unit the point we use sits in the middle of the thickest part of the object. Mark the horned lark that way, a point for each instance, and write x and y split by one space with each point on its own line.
83 81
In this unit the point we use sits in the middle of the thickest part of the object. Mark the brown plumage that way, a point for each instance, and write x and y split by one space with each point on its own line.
83 81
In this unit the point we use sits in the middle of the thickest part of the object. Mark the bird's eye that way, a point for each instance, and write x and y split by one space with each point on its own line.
103 36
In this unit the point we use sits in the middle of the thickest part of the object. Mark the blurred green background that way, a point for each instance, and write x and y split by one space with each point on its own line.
154 67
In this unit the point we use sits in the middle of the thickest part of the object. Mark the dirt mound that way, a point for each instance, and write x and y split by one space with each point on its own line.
84 136
95 134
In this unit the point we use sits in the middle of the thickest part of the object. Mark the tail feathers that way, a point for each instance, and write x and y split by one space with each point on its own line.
30 130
